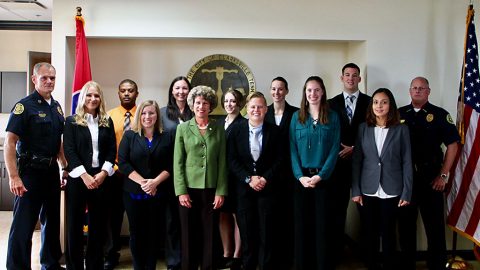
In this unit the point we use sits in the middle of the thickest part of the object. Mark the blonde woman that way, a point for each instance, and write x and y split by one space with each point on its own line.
145 158
90 149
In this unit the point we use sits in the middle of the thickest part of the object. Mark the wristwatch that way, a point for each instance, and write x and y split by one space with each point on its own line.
248 179
444 177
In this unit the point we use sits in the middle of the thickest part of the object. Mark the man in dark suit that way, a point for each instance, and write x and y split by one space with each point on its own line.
254 158
351 106
280 114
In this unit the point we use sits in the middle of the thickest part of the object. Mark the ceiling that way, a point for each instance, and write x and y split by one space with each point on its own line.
26 10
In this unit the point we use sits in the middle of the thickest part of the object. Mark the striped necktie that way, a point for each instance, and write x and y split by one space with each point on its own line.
349 108
126 123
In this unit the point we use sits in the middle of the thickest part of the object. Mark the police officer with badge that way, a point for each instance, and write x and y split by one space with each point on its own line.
32 147
430 127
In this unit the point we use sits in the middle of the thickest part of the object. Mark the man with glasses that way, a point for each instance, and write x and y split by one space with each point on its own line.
430 127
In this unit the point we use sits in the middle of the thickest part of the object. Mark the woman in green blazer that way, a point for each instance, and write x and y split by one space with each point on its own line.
200 179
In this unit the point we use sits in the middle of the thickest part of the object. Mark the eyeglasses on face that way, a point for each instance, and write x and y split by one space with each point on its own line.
419 89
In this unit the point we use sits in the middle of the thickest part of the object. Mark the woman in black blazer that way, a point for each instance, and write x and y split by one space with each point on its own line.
381 176
232 101
145 158
89 145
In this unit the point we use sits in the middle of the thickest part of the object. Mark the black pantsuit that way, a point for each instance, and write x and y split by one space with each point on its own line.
145 212
144 222
80 198
255 209
199 236
283 213
79 152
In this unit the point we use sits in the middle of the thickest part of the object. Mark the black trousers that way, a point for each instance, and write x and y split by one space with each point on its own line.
115 210
172 237
255 222
431 206
144 217
80 198
311 239
199 230
283 223
42 199
379 218
338 199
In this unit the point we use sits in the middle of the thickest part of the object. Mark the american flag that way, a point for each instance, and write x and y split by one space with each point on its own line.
463 197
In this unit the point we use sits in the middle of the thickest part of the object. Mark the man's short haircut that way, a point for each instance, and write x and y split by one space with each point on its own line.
420 78
37 67
351 65
130 82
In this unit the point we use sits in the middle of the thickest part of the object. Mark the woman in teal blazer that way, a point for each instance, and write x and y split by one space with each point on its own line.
200 179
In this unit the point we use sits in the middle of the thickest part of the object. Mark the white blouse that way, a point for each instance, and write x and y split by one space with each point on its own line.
92 123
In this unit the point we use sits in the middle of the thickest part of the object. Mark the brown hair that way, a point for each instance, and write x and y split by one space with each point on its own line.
393 116
304 106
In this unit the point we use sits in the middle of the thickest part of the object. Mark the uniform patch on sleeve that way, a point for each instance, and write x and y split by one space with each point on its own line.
449 119
18 108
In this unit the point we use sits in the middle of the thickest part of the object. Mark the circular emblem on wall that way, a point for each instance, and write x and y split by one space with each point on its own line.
222 72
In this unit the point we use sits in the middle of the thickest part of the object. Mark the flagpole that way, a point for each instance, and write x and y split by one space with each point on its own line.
458 262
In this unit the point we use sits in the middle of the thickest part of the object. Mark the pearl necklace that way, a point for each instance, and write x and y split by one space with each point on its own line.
202 128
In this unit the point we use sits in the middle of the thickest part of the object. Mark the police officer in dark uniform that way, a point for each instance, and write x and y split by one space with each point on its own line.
32 147
430 127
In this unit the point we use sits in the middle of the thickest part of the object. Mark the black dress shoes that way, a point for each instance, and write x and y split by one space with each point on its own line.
110 264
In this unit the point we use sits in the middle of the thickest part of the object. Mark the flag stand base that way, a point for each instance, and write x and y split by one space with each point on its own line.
458 263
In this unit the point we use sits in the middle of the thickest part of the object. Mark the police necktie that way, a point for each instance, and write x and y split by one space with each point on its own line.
255 144
349 108
126 123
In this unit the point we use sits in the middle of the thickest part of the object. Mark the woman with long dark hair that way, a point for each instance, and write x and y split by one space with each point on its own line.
381 176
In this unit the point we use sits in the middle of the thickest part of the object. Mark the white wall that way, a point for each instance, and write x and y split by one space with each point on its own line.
153 63
398 40
15 45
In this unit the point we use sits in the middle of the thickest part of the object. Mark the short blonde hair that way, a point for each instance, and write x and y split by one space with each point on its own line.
80 114
202 91
137 123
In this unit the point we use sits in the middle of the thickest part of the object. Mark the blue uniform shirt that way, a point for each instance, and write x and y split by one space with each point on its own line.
38 125
430 127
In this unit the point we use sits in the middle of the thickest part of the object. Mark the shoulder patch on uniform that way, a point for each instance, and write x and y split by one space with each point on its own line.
429 117
449 119
19 108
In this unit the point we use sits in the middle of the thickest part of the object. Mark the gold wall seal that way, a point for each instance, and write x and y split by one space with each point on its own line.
222 72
